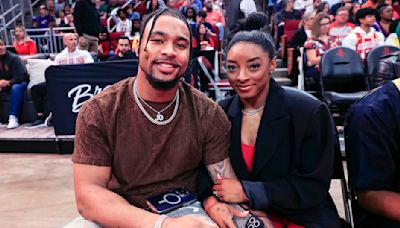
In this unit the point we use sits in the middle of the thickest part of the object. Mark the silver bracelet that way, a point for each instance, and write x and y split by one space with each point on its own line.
160 221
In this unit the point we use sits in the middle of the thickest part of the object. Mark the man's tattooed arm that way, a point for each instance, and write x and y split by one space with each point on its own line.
223 169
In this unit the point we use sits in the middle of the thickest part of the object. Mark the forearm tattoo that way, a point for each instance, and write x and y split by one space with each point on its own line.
223 169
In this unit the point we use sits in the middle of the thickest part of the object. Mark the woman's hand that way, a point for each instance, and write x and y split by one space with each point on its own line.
230 190
222 213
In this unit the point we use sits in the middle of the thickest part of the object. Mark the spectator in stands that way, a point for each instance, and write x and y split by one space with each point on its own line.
87 23
136 24
122 23
340 28
201 19
190 15
153 5
201 40
315 6
82 44
287 13
393 38
335 7
13 82
370 4
215 18
61 21
281 145
70 55
364 37
123 50
140 7
315 47
384 19
112 4
22 43
173 161
373 149
68 9
352 13
59 5
44 17
70 20
298 40
324 7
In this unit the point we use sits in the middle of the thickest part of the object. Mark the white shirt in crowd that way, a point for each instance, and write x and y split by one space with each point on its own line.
247 7
75 57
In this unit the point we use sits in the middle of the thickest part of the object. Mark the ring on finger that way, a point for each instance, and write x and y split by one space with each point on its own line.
215 192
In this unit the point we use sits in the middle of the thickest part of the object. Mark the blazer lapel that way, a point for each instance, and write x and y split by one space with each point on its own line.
273 126
235 115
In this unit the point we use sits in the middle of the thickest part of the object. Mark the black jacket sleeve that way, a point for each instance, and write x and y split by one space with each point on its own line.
18 71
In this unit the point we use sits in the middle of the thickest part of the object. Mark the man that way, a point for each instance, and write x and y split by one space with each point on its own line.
373 145
215 18
314 7
335 7
122 23
13 82
87 22
123 50
340 28
44 17
70 55
364 37
148 134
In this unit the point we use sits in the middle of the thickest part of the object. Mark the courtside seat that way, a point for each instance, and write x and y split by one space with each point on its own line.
27 114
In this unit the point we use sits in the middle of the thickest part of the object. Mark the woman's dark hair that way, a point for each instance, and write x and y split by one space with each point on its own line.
156 14
363 12
321 7
196 34
134 30
379 10
194 13
150 9
393 26
255 21
257 37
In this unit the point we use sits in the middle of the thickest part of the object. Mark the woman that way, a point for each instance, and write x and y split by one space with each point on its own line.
315 47
281 144
191 14
393 38
352 13
201 40
22 43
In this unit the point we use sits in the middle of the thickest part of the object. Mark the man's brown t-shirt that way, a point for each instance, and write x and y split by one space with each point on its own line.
148 159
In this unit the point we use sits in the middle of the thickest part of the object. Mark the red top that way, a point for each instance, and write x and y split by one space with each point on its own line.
248 156
26 48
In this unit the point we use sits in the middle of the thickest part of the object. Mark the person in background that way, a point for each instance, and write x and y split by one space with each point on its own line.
215 18
335 7
191 15
314 7
340 28
123 50
201 39
61 21
373 149
22 43
287 13
153 5
44 17
384 19
370 4
13 82
352 13
315 47
87 23
122 23
364 37
393 38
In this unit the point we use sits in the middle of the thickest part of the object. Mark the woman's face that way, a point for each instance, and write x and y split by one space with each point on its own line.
249 71
308 22
19 33
202 29
137 24
326 8
324 23
356 8
190 13
387 13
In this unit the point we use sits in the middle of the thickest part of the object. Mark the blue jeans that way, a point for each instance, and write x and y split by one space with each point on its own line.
17 97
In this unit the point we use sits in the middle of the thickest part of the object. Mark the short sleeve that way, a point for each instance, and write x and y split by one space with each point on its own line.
370 144
216 132
91 144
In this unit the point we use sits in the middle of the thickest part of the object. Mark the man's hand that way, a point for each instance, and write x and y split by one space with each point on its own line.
187 221
222 213
4 83
230 190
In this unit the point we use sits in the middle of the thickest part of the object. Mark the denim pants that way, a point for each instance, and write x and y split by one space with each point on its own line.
17 97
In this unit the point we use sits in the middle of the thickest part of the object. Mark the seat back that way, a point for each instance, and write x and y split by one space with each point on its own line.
374 56
342 71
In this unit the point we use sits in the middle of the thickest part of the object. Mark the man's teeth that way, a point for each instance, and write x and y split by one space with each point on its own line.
167 65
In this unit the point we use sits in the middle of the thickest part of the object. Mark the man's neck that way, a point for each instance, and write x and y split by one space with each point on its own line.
366 28
148 93
71 50
341 24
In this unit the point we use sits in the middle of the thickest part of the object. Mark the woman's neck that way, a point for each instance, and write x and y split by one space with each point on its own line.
256 102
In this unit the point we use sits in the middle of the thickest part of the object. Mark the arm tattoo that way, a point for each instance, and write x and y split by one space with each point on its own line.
223 169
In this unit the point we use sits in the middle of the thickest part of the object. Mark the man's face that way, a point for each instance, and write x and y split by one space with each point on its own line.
317 3
43 11
123 46
342 16
387 13
70 41
369 20
70 18
2 48
165 57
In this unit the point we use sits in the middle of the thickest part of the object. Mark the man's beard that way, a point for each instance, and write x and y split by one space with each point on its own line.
160 84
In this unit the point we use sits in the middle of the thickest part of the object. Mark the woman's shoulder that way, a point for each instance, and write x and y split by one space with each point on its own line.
299 100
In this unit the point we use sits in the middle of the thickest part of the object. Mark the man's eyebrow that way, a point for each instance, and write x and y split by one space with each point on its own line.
184 38
157 33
